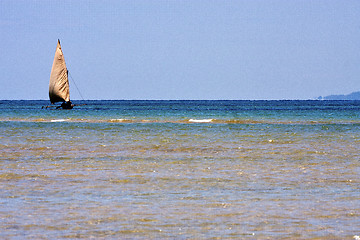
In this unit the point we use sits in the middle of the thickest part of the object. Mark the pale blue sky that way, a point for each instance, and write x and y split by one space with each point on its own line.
220 49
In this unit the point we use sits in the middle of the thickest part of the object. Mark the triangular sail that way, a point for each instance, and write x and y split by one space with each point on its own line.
59 83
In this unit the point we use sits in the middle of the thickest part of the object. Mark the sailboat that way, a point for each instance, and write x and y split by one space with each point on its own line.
59 82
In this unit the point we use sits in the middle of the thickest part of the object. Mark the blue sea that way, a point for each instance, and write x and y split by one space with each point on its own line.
180 170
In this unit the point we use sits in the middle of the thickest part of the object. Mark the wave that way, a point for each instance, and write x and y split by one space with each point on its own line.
58 120
182 121
200 120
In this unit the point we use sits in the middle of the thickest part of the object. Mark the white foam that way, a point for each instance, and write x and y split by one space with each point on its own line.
58 120
200 120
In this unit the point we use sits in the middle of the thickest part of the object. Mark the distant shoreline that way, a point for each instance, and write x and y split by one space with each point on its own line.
351 96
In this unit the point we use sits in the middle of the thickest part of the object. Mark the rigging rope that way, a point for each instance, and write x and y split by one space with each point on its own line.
76 86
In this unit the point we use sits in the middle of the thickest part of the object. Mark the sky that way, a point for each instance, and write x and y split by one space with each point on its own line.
182 49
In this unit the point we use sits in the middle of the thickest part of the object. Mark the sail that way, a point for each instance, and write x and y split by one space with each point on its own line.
59 83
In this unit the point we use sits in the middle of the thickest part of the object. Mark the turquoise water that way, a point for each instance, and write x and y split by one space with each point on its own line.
180 170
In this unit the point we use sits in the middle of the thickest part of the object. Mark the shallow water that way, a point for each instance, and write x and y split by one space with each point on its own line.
180 169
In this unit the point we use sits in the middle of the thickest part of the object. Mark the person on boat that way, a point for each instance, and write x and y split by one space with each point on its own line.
66 105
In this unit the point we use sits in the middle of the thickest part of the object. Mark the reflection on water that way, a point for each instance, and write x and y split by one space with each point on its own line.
165 180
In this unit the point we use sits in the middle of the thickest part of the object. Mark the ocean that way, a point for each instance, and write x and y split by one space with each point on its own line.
180 170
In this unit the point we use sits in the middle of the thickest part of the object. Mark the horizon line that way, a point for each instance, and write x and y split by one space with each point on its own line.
313 99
